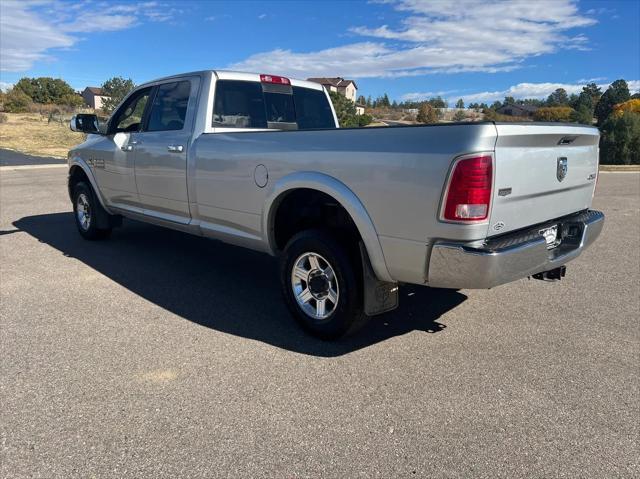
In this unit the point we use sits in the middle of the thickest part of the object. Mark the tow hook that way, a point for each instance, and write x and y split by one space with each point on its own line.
555 274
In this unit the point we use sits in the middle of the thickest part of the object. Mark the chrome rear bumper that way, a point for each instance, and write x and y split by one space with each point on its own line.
512 256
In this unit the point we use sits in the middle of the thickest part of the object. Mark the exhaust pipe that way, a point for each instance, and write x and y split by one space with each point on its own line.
555 274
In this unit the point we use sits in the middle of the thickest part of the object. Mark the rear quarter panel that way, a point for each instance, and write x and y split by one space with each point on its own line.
397 173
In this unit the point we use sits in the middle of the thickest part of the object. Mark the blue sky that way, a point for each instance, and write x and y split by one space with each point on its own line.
410 49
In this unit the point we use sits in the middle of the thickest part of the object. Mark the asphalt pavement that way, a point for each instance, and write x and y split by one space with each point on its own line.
159 354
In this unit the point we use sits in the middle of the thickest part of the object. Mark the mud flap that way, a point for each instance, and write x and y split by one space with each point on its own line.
103 219
379 296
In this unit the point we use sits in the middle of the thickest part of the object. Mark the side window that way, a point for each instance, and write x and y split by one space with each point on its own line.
312 109
169 107
129 117
239 104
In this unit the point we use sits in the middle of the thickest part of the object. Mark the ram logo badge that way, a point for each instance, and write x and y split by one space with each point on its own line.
498 226
561 171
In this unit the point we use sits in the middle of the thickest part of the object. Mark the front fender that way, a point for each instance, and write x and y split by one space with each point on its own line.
342 194
77 161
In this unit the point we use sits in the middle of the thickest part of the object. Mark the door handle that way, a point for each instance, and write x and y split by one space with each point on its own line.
175 148
129 145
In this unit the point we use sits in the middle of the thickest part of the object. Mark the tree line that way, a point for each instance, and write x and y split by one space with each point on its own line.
31 93
615 111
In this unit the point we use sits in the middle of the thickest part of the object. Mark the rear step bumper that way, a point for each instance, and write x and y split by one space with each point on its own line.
512 256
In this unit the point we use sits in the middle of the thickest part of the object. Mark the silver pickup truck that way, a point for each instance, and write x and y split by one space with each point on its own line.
259 161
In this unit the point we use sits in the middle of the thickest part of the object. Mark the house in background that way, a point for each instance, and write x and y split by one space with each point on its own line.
347 88
93 96
517 110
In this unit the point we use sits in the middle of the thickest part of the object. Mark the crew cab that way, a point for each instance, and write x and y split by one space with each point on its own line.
259 161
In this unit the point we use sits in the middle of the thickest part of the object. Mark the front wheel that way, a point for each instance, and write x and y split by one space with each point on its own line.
85 209
321 284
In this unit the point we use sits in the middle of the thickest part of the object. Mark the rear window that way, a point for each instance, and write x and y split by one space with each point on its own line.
280 108
246 104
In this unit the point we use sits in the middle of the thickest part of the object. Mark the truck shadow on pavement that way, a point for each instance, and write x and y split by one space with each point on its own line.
223 287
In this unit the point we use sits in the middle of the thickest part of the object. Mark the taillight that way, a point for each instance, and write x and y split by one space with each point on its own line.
275 79
469 193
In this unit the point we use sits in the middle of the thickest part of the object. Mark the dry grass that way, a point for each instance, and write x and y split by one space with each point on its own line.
31 133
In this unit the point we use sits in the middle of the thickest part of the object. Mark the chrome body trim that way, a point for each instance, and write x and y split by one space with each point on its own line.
456 265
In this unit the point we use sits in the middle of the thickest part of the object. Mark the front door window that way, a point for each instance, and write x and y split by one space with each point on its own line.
129 116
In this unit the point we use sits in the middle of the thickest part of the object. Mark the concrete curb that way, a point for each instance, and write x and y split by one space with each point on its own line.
33 167
619 168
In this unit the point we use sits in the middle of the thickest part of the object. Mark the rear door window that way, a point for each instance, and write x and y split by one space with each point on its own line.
312 109
169 108
239 104
247 104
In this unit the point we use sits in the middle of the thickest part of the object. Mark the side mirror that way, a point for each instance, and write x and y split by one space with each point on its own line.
85 123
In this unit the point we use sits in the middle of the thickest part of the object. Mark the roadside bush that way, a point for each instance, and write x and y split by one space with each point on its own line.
631 105
618 92
16 101
3 118
45 89
71 102
620 141
583 115
345 110
489 114
553 113
364 119
427 114
459 115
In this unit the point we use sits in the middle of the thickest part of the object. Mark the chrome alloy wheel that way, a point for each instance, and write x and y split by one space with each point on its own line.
314 285
83 211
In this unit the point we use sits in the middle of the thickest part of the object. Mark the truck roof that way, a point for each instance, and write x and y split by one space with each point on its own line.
234 75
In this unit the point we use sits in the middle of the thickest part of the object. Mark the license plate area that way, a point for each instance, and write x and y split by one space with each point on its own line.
551 236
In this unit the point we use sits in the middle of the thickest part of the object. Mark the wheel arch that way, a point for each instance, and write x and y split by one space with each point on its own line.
342 195
78 168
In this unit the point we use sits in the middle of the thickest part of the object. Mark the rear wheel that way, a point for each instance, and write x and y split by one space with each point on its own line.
321 284
85 209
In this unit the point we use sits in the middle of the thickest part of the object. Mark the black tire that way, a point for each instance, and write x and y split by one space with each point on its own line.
346 315
84 197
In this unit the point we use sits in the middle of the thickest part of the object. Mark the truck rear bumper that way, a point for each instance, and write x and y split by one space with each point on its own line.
512 256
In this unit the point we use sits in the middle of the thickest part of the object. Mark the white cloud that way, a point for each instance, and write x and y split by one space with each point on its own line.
4 86
29 30
592 80
213 18
88 22
25 37
445 36
419 96
521 90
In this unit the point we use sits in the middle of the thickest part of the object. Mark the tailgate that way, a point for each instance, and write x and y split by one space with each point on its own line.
542 172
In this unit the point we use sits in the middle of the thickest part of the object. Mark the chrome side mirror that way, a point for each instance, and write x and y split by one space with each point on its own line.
85 123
